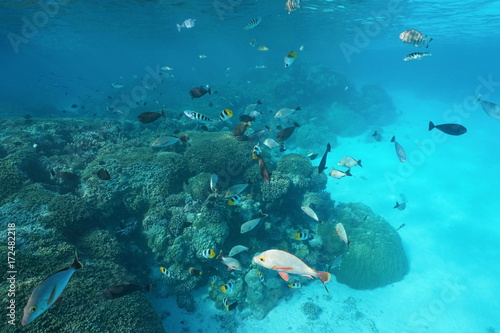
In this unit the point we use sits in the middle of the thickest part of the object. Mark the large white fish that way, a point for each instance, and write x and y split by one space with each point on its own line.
48 292
311 213
339 227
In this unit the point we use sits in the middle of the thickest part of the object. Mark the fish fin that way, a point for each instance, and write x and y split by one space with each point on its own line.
58 300
309 276
324 276
397 204
258 102
76 264
284 276
277 267
220 255
178 27
163 113
430 40
359 163
336 234
431 125
393 139
328 148
348 172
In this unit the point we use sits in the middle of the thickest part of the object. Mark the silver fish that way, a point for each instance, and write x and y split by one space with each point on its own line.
253 23
416 56
399 150
415 38
188 24
492 109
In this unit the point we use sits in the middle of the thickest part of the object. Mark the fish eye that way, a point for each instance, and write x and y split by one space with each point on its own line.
33 308
262 259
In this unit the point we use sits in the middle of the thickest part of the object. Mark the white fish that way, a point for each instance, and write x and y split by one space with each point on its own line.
492 109
167 140
48 292
271 143
339 227
349 162
415 38
340 174
284 112
166 68
235 190
213 182
188 24
237 249
249 225
311 213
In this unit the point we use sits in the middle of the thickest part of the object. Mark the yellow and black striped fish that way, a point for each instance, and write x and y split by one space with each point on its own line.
225 114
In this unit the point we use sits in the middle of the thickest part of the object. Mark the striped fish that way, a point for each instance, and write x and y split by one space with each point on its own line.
225 114
415 38
416 56
198 117
253 23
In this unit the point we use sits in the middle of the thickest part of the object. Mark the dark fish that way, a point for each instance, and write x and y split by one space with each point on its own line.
279 127
124 289
74 106
149 117
451 129
257 135
266 176
285 133
195 271
400 206
322 163
246 118
204 128
402 225
492 109
240 129
415 38
312 156
199 91
377 136
399 150
103 174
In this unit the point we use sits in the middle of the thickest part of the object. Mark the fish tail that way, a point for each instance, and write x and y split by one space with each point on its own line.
359 163
258 102
324 276
393 139
179 27
348 172
328 148
431 125
76 264
184 138
397 204
430 40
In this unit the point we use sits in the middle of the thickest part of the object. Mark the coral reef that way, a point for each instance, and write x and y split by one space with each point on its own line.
311 310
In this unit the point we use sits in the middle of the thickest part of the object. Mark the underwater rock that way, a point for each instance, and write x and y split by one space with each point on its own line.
186 302
199 186
295 164
263 297
311 310
375 257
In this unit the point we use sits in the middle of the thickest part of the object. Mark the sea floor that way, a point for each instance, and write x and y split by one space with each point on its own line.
451 235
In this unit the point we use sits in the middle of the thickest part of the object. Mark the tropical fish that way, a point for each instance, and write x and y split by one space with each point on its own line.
416 56
292 5
339 227
339 174
257 135
213 182
198 117
208 253
103 174
188 24
492 109
402 225
377 136
167 140
252 42
295 285
109 127
266 176
253 23
322 163
117 85
286 263
251 107
286 133
200 91
399 150
237 249
228 306
349 162
400 206
312 156
415 38
240 129
451 129
284 112
213 279
256 151
249 225
231 263
166 272
193 271
261 277
202 56
166 68
301 236
235 190
301 48
225 114
271 143
246 118
121 290
290 58
263 48
311 213
234 200
149 117
48 292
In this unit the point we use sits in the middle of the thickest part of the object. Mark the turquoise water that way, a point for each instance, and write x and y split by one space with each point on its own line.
54 56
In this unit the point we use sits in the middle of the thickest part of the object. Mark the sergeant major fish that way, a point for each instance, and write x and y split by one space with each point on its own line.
198 117
253 23
415 38
416 56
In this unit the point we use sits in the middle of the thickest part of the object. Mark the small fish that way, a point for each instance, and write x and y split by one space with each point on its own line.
451 129
204 128
349 162
309 211
312 156
166 68
103 174
377 136
263 48
400 206
290 58
167 140
416 56
193 271
249 225
253 23
149 117
246 118
237 249
208 253
213 280
228 306
202 56
251 107
295 285
292 5
166 272
234 200
117 85
301 48
198 117
200 91
231 263
213 182
402 225
252 42
264 172
48 292
339 227
415 38
301 236
322 163
74 106
260 66
188 24
257 135
240 129
225 114
227 288
256 151
261 277
286 133
339 174
255 113
284 112
109 127
121 290
491 109
235 190
271 143
336 263
399 150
